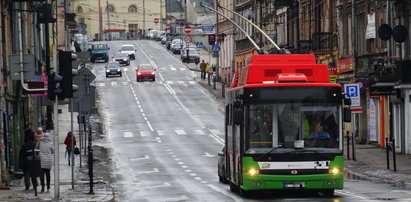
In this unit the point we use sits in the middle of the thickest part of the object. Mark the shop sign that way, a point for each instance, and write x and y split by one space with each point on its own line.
344 65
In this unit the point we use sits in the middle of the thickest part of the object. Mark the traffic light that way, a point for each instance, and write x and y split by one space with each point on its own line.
67 72
54 86
211 39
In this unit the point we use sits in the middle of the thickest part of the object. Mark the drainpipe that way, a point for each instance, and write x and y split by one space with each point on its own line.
21 53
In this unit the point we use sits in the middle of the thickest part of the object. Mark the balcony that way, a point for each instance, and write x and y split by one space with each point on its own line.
322 41
284 2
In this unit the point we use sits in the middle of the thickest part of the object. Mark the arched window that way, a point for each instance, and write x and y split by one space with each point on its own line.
79 9
132 9
110 8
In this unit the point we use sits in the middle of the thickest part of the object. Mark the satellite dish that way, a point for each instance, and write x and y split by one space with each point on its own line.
400 33
385 32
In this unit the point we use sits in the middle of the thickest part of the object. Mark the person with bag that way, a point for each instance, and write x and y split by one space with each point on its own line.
69 145
24 163
46 147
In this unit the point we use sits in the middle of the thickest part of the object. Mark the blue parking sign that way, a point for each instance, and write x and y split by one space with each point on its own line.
352 91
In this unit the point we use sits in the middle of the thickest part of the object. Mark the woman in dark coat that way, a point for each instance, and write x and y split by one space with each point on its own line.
24 164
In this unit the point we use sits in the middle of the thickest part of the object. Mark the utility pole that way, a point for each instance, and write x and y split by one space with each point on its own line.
100 21
161 14
108 16
144 16
217 68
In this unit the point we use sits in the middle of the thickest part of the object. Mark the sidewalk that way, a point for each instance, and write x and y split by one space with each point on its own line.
370 164
102 189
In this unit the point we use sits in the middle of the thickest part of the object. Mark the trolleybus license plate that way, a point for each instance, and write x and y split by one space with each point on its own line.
293 184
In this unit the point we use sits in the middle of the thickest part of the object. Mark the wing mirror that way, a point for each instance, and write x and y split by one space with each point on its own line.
220 153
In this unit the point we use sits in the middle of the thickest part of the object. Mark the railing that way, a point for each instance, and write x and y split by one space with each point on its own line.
322 41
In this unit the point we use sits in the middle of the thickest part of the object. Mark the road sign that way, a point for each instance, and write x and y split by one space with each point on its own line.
187 29
215 48
356 110
187 39
86 74
167 25
207 29
352 91
199 44
156 20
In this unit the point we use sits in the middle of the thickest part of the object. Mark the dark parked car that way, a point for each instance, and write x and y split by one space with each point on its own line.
121 58
113 68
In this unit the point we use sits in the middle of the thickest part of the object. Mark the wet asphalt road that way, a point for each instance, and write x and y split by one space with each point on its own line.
165 135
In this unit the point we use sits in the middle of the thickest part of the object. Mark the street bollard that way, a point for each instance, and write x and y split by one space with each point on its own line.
348 144
223 89
208 77
90 160
353 146
393 155
387 152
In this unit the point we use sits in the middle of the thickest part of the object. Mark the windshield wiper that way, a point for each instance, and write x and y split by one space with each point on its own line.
305 151
264 155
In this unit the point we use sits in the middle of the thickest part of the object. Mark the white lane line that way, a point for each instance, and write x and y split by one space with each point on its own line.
198 132
182 69
170 82
144 133
145 118
113 83
101 84
127 134
169 89
220 141
141 110
180 132
174 156
192 82
198 178
155 170
180 163
193 174
173 68
225 192
188 171
184 166
143 114
165 184
139 106
182 83
149 125
177 159
124 83
204 182
136 159
216 132
161 133
352 194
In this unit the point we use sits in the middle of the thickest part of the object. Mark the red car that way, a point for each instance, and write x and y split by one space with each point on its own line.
145 72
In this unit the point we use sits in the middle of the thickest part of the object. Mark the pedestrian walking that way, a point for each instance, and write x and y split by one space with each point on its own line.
45 145
69 146
25 151
203 69
39 134
207 69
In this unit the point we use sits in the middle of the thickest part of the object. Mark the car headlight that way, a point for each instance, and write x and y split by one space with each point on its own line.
118 70
138 73
124 59
153 73
107 70
114 60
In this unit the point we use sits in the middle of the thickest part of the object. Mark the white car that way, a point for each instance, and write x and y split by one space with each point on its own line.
130 50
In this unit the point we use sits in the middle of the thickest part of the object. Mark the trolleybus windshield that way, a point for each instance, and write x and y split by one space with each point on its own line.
291 126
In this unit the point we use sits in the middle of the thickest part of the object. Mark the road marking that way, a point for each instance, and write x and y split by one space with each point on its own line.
209 155
169 89
188 171
182 83
184 166
165 184
180 163
144 133
113 83
173 68
216 132
192 82
161 132
177 159
149 125
193 174
101 84
198 178
124 83
127 134
141 110
170 82
351 194
136 159
225 192
174 156
155 170
182 69
198 132
180 132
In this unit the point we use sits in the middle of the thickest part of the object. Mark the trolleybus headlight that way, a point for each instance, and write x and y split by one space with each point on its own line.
253 171
334 171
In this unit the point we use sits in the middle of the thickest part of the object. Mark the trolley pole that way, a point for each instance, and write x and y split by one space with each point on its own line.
90 159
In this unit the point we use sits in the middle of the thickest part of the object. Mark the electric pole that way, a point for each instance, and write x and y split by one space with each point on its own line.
108 16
